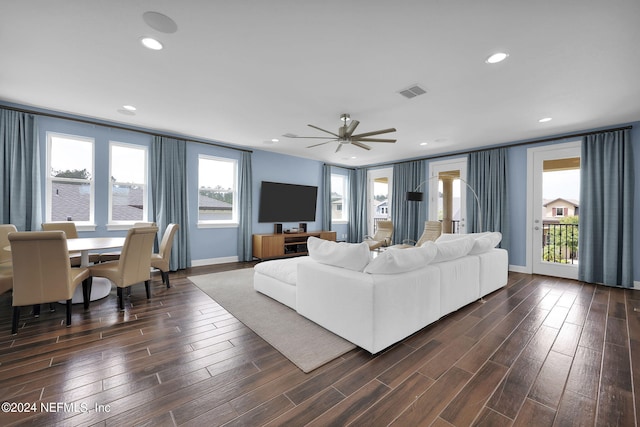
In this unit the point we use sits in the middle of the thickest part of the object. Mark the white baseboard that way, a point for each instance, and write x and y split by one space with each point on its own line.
519 269
636 285
212 261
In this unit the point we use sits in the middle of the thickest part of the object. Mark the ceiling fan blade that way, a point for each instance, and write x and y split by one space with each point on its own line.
308 137
372 139
324 130
339 147
322 143
357 144
352 126
375 132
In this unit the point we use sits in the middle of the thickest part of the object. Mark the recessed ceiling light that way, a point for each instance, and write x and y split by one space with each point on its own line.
129 107
496 57
151 43
275 140
424 143
545 119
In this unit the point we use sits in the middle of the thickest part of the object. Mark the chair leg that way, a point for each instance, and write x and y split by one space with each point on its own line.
147 286
14 321
86 292
165 278
69 305
120 299
52 307
36 310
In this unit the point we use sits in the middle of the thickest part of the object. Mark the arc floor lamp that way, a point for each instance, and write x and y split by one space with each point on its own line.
418 196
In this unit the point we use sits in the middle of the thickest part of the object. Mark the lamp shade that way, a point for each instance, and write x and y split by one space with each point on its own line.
414 196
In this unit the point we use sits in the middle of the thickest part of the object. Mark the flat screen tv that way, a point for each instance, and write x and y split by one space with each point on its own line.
280 202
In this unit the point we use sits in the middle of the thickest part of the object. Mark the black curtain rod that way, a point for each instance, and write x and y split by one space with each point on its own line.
340 166
516 144
119 127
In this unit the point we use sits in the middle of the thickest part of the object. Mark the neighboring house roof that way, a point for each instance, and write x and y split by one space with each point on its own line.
573 202
73 201
206 202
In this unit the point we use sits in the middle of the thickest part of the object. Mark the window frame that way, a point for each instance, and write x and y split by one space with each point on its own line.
81 225
212 223
345 199
124 225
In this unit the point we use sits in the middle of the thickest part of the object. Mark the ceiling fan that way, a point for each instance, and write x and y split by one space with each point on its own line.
345 135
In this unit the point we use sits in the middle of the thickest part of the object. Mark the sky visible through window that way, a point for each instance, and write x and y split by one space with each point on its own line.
561 184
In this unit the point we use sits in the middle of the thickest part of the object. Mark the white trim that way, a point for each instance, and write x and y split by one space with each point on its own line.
518 269
636 285
530 186
92 181
217 225
145 185
233 222
435 168
213 261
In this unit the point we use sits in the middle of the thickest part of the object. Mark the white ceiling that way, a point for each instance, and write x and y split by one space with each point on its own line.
244 72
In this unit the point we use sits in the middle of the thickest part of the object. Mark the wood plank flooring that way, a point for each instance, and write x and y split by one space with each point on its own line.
540 352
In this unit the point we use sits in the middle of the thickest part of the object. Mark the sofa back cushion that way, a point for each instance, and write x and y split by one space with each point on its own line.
396 260
483 242
452 249
353 256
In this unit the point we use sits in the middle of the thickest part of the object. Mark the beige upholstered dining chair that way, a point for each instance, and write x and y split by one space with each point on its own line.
42 273
382 237
6 268
5 229
162 258
114 256
134 263
71 232
6 278
432 230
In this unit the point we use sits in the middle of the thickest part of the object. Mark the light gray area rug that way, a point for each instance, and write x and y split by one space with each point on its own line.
306 344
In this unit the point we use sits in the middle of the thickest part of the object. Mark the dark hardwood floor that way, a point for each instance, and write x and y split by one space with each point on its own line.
542 351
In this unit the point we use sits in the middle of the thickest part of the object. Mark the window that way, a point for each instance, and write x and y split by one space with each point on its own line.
339 201
70 184
217 190
128 183
559 211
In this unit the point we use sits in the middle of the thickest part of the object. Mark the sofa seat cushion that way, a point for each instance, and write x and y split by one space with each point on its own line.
284 270
277 279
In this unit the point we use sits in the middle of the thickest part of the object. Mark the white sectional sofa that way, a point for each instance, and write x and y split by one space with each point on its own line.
376 302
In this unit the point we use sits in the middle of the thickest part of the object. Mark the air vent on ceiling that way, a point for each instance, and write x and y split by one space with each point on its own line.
412 92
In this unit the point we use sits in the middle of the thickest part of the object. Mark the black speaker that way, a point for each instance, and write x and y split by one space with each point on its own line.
277 228
302 227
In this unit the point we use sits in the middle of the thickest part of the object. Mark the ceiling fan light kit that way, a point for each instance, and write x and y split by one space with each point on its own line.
345 135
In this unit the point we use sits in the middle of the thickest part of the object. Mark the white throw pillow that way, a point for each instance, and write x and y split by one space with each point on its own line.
353 256
453 249
395 260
